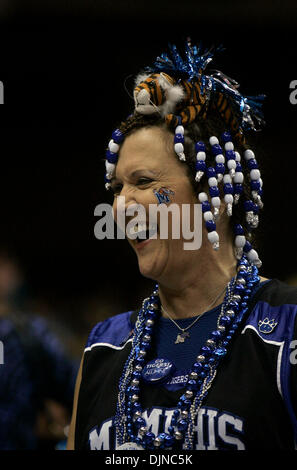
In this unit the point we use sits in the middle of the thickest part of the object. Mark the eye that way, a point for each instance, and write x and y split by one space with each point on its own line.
143 181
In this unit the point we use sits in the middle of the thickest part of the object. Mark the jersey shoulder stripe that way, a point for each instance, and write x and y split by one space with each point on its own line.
113 331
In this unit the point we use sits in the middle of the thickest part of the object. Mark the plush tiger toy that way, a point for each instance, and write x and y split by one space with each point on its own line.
160 93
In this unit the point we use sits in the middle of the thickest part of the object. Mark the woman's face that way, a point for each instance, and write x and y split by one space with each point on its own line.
147 162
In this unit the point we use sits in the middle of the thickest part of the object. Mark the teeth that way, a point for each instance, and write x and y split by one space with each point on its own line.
141 229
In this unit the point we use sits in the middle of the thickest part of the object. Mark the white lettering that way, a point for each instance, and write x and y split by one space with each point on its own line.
236 423
293 94
100 441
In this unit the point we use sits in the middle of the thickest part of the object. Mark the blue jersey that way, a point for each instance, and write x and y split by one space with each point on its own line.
252 403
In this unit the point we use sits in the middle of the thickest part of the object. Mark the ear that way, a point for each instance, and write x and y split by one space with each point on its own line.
174 95
141 77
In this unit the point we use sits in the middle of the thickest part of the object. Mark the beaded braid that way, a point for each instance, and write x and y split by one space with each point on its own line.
224 174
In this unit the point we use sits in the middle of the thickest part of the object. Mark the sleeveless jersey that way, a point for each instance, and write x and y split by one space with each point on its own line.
252 403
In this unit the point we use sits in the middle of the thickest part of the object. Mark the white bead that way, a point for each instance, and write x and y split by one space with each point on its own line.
178 147
208 215
229 146
109 167
255 174
252 255
202 197
248 154
220 158
213 237
231 164
180 130
212 181
227 179
201 156
238 177
213 140
216 201
261 182
113 147
240 241
228 198
237 157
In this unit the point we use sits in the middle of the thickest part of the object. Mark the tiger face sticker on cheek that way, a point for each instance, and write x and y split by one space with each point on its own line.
163 195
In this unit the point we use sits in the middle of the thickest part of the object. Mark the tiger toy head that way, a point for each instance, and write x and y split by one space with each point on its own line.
157 93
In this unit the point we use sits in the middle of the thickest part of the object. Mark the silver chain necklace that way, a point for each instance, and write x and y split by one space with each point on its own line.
181 337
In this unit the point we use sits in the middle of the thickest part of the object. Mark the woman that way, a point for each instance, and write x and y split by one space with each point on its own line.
207 363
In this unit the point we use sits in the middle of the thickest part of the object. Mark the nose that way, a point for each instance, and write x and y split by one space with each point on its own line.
126 206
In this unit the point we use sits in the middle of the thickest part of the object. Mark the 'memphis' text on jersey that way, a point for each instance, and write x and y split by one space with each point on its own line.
215 429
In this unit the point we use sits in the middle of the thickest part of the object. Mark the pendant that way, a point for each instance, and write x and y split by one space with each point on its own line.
157 370
130 446
181 337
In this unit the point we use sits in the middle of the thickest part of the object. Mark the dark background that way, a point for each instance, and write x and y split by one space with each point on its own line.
66 69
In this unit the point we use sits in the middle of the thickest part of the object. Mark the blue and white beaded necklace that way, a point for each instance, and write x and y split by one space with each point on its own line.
131 429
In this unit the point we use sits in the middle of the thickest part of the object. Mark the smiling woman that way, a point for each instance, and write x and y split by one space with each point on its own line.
194 368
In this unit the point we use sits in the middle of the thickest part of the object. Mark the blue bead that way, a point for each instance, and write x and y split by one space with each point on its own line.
216 149
197 367
169 441
220 168
144 345
247 247
149 437
182 425
111 157
171 429
206 206
200 147
248 206
210 225
238 189
206 367
252 164
117 136
178 138
176 413
136 406
185 404
226 137
106 180
255 185
139 422
200 165
238 167
230 155
225 321
233 305
220 352
214 191
228 188
238 229
215 335
239 289
210 172
192 384
205 351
